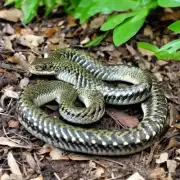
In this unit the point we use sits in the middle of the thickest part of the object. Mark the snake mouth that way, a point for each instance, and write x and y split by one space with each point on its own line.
33 70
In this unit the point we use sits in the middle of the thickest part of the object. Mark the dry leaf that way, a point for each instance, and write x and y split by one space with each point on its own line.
131 49
56 154
71 21
24 82
49 32
84 41
8 29
163 158
14 168
173 143
136 176
145 52
157 174
13 124
5 177
148 32
13 15
122 118
45 149
98 173
30 160
97 21
7 142
8 44
31 40
38 178
171 165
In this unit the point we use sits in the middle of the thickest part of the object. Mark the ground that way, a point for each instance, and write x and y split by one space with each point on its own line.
22 156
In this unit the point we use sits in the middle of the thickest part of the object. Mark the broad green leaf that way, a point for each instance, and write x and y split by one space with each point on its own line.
169 3
168 56
29 9
114 20
8 2
97 40
88 8
148 46
171 46
50 4
129 28
175 26
18 3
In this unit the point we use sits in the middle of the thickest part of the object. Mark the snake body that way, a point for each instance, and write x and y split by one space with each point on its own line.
83 75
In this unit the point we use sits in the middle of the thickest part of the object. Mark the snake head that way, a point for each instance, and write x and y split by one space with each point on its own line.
42 66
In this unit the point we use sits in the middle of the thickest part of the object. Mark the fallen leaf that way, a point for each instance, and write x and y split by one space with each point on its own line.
5 176
14 168
8 29
38 178
31 40
171 16
13 15
171 165
30 160
98 173
7 142
163 158
131 50
71 21
8 44
97 21
120 117
45 149
84 41
10 93
56 154
136 176
173 143
13 124
24 82
148 32
158 174
49 32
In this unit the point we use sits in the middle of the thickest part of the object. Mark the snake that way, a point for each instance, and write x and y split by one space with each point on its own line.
81 76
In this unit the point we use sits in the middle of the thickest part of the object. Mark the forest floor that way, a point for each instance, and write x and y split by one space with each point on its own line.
22 156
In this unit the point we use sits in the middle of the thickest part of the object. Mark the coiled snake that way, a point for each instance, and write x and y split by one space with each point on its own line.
85 78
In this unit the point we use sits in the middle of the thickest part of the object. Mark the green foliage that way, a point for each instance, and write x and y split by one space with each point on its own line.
125 19
169 3
30 7
175 26
170 51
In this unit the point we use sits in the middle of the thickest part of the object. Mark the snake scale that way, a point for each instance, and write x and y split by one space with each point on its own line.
83 77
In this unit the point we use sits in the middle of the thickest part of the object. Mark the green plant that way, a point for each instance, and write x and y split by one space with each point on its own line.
125 19
170 51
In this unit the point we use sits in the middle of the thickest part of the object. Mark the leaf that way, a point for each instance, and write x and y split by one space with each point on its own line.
8 2
18 3
169 3
175 26
148 46
168 56
97 40
114 20
50 4
129 28
86 9
29 9
171 46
